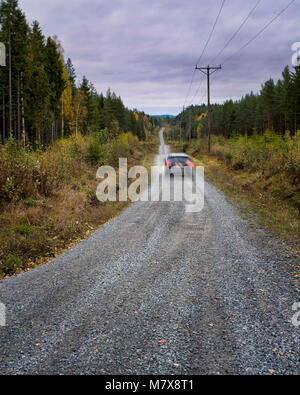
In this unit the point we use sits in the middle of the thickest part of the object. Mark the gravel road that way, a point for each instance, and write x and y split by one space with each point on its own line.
158 291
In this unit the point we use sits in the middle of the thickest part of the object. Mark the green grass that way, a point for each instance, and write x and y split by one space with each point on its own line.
24 229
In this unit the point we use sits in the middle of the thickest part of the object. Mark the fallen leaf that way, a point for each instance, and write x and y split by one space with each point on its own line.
161 341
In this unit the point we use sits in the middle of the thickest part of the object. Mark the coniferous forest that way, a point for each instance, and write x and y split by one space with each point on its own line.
276 107
40 98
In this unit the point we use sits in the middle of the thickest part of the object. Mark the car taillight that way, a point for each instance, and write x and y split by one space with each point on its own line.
167 163
189 163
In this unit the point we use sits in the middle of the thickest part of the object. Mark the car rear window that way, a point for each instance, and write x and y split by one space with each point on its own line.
178 159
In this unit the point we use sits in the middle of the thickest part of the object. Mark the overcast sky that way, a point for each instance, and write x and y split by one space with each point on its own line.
146 51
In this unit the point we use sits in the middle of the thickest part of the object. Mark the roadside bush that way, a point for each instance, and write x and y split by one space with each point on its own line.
269 153
31 202
48 196
19 176
62 163
13 264
95 154
119 148
273 158
28 175
24 229
185 147
131 140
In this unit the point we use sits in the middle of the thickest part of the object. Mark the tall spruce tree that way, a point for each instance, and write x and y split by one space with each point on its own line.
14 34
54 70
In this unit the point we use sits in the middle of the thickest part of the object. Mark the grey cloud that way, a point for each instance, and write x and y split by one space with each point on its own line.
146 51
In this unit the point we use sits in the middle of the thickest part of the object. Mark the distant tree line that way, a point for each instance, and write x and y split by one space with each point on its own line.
39 98
276 107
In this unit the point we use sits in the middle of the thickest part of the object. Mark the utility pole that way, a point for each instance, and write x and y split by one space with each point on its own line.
208 71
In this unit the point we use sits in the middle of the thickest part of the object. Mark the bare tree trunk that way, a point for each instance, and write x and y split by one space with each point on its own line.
22 112
10 85
269 120
15 122
2 138
53 127
19 110
62 120
52 132
285 122
3 117
77 117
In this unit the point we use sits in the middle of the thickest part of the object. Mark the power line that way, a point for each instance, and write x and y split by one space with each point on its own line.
232 38
190 86
212 32
198 89
207 42
204 49
228 42
260 32
252 39
238 30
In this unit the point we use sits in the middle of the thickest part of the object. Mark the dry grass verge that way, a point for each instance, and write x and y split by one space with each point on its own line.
271 197
61 210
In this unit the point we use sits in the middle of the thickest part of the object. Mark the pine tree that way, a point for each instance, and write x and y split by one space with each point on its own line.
67 108
268 96
14 34
72 74
80 111
287 100
54 70
37 89
296 97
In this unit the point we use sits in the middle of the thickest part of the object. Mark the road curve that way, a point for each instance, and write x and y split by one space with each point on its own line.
157 291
